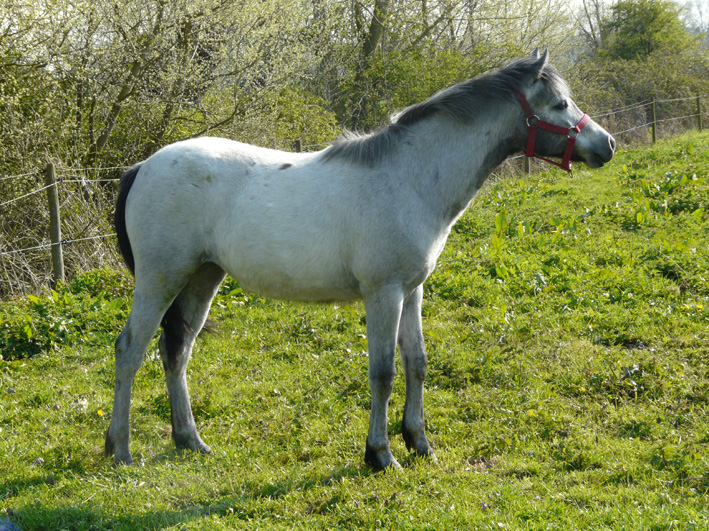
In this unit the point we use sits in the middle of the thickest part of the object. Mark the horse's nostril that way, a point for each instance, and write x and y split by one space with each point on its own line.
611 141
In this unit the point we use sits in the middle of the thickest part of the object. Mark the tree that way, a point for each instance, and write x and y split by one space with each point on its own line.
105 83
695 14
635 29
643 50
590 21
437 42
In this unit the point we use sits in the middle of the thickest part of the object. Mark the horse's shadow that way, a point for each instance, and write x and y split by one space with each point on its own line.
238 506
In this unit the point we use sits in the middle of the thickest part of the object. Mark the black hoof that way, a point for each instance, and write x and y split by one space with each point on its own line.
381 459
418 445
191 442
120 457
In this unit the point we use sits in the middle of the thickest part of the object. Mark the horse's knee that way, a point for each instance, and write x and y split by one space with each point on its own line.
417 366
413 357
382 374
123 341
128 358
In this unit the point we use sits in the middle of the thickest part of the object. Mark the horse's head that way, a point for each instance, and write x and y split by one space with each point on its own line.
552 123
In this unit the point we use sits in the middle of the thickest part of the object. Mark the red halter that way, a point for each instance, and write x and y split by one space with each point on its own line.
534 123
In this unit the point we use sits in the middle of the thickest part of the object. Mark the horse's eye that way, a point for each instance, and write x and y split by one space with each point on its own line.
561 106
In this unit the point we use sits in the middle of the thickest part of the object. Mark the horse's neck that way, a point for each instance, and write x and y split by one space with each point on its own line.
451 161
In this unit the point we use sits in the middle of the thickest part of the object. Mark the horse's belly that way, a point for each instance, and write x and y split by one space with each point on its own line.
280 285
287 290
276 275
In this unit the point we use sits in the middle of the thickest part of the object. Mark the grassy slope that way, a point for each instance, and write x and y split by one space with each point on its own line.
567 325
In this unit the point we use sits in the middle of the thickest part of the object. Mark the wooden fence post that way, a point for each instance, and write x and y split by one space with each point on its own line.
55 232
700 124
654 121
527 166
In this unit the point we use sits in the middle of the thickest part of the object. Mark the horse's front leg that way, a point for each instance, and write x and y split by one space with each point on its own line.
383 312
413 359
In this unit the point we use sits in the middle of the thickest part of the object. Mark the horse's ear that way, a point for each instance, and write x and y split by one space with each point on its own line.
539 63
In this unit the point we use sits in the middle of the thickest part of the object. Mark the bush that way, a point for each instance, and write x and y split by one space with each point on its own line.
91 309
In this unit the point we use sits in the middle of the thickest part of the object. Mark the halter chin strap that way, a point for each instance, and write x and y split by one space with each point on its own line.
534 123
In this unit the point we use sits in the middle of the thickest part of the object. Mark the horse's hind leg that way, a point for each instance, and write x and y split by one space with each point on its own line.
131 344
183 321
413 358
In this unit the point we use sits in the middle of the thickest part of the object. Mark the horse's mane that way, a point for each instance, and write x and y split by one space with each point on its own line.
461 102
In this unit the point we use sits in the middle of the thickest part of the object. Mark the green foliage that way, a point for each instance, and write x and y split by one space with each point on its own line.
644 51
567 381
85 311
401 78
636 29
109 84
304 116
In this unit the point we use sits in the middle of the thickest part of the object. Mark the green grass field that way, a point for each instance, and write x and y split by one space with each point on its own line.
567 327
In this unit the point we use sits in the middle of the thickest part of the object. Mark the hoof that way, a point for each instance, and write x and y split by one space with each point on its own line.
428 456
191 442
425 452
202 448
120 457
126 460
418 444
380 459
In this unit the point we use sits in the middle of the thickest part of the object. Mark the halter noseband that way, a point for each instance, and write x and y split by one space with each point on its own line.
534 123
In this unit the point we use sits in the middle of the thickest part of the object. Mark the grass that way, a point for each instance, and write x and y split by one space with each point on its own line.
568 333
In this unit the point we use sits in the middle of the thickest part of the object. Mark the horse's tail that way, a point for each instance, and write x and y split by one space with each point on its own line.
119 219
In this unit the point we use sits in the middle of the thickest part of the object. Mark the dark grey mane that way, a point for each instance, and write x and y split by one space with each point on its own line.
461 102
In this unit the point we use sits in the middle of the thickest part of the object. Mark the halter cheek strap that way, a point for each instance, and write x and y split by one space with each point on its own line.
534 123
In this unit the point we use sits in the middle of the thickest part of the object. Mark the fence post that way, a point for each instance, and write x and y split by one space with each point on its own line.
654 121
55 232
527 166
700 125
298 145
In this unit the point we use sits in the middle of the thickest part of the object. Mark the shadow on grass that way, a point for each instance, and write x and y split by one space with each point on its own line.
241 507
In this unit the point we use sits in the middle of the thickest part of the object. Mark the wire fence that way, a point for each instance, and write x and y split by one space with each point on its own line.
85 196
60 242
88 194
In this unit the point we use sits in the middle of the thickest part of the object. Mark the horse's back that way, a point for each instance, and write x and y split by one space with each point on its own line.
278 222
